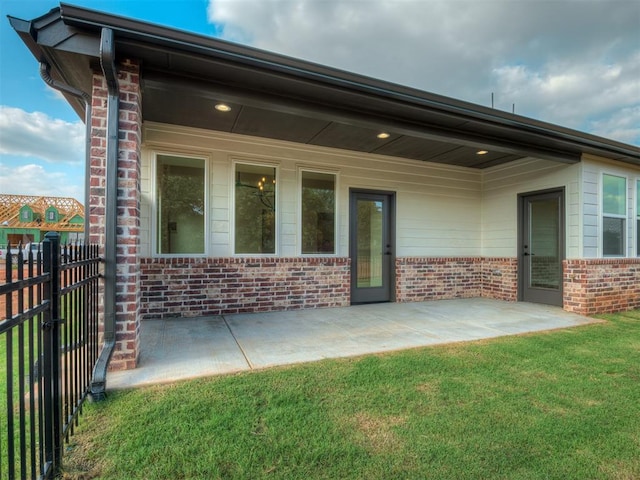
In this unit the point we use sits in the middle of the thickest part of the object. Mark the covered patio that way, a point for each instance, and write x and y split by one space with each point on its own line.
181 348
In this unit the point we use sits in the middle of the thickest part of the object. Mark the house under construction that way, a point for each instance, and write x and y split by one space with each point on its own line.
27 219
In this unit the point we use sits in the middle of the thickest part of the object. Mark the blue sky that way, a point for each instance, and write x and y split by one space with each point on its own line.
56 167
575 63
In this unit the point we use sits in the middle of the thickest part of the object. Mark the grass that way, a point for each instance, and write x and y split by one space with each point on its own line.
16 399
555 405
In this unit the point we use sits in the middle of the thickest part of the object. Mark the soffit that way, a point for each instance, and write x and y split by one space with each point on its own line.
190 102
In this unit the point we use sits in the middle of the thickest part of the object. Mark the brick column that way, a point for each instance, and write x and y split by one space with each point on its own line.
125 354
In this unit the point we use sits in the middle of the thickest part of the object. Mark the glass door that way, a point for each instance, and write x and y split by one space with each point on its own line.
542 248
371 247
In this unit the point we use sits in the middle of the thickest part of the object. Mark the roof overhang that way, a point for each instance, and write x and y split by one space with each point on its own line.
184 75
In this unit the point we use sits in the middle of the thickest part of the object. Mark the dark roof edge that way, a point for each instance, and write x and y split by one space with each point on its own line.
209 46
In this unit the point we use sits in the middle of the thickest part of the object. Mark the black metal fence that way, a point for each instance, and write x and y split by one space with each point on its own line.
48 348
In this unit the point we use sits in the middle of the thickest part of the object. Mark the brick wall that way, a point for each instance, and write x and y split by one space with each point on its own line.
172 287
427 278
128 203
433 278
500 278
601 285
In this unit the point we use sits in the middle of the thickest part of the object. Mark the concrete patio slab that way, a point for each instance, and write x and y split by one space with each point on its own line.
181 348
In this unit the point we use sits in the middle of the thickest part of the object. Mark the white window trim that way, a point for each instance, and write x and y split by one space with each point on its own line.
232 237
154 202
336 226
603 215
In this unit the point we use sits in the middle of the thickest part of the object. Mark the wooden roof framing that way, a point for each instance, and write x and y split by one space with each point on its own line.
68 209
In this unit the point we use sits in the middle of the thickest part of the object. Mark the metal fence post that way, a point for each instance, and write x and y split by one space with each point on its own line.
52 352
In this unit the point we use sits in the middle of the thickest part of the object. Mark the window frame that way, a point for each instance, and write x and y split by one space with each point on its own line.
623 217
336 225
232 230
154 202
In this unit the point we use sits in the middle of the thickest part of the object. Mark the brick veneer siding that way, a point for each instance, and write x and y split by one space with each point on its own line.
424 278
172 287
593 286
500 278
126 351
438 278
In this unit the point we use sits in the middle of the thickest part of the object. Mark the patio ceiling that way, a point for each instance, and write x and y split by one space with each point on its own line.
176 100
184 76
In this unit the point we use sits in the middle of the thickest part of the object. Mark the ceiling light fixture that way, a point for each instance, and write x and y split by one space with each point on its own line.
482 152
383 135
223 107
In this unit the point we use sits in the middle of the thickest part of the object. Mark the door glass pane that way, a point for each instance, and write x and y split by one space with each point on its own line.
544 244
370 243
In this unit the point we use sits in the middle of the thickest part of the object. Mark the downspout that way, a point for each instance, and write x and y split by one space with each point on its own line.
45 73
107 62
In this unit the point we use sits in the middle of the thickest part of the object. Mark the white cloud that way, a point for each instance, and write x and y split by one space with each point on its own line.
37 135
576 63
624 126
576 94
32 179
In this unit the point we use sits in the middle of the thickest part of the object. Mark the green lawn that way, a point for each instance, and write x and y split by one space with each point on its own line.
555 405
16 399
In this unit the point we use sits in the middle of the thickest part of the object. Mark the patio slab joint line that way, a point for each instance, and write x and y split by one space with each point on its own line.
244 354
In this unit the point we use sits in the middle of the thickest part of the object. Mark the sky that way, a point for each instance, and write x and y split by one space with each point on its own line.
574 63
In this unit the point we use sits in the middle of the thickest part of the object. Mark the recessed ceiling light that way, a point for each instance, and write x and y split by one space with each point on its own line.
223 107
482 152
383 135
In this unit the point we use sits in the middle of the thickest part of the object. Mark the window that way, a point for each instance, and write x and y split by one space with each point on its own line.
180 205
52 215
638 218
614 206
318 213
255 209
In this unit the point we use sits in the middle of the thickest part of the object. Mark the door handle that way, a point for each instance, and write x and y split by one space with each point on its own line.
526 254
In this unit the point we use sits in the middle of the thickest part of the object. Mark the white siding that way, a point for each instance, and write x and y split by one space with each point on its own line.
220 193
590 212
438 208
501 187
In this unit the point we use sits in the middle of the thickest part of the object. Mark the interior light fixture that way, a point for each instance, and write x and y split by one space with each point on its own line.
223 107
383 135
482 152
